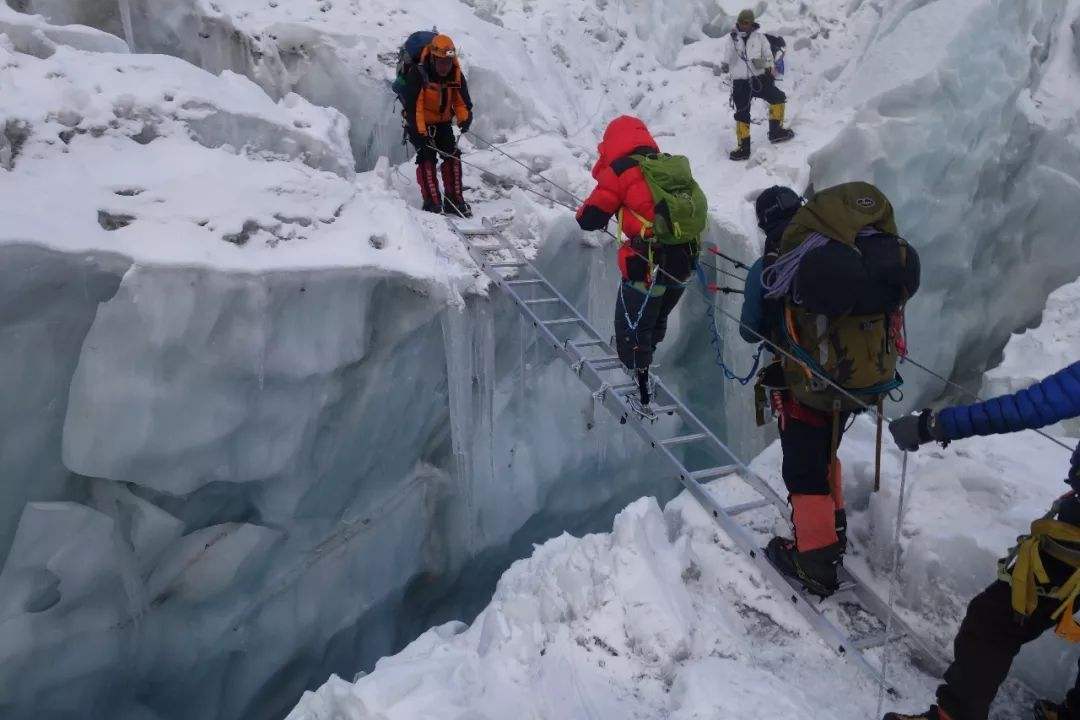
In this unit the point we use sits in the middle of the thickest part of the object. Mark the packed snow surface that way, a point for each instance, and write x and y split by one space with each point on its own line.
262 420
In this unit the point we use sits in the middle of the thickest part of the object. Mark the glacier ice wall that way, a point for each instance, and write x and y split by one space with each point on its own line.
267 478
968 119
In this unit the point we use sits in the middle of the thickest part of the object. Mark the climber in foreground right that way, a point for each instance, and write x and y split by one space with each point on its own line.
750 60
1022 604
828 293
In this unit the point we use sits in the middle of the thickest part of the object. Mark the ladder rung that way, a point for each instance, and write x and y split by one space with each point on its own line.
589 343
605 358
524 282
872 641
478 232
561 321
734 510
662 409
683 439
506 264
714 473
624 386
540 301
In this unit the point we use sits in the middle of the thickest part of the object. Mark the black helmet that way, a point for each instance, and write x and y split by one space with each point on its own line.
776 204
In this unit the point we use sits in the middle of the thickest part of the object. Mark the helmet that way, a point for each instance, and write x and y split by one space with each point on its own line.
776 204
443 47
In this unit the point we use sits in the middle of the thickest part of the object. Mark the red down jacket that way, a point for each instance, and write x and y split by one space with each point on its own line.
620 184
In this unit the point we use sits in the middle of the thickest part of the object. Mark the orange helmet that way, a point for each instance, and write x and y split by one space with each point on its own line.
443 47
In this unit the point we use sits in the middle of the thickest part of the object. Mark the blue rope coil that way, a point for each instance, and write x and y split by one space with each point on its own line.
714 338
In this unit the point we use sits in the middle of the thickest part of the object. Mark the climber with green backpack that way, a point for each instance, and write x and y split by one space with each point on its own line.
662 214
836 275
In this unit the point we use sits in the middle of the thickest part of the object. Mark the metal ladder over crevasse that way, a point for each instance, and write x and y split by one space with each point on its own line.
595 363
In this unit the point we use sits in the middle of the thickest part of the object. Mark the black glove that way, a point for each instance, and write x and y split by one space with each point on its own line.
464 127
1074 472
914 430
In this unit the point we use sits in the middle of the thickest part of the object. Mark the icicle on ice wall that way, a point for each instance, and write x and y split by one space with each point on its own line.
125 18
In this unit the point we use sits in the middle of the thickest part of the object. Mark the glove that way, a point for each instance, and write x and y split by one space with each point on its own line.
724 68
914 430
464 127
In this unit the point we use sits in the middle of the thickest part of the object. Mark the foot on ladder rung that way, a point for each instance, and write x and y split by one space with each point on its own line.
561 321
683 439
541 301
714 473
734 510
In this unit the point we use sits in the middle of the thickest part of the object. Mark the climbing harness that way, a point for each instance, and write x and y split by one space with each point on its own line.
1025 572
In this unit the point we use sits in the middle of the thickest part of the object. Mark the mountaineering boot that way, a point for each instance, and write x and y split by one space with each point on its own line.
742 134
428 181
934 713
640 404
815 569
777 132
454 202
1046 710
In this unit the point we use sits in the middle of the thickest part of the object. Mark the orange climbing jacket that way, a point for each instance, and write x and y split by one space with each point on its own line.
437 97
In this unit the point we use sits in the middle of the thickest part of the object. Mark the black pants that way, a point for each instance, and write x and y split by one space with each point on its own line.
641 319
989 639
743 93
649 314
443 139
807 450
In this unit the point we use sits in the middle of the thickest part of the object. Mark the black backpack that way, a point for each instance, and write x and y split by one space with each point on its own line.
779 48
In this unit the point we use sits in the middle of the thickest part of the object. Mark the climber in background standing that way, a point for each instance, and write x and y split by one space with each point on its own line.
434 93
749 59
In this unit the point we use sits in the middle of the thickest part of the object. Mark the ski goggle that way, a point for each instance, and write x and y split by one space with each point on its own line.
441 53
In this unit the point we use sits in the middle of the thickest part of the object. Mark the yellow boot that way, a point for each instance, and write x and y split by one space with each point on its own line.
777 132
742 134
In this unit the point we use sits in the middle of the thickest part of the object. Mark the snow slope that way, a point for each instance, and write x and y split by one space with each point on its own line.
662 618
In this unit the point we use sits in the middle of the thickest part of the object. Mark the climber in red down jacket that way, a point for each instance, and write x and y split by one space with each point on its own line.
647 295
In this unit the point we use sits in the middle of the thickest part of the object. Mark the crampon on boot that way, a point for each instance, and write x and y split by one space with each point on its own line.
778 133
1046 710
454 202
640 404
815 569
934 713
742 152
428 181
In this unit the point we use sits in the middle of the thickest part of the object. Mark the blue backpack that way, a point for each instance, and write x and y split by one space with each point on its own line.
409 55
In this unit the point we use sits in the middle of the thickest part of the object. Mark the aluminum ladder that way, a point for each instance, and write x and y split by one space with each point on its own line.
593 360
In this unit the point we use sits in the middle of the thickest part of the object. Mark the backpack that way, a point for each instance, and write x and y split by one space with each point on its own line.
851 275
408 56
779 49
682 210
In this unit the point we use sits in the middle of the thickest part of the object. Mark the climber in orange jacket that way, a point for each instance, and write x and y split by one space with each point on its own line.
436 94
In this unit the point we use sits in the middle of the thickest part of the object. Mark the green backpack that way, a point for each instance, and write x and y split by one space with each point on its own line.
682 210
856 351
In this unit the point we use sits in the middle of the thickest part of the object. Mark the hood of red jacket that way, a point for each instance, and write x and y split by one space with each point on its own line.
623 135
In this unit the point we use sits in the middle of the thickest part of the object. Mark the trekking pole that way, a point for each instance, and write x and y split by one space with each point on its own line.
887 647
877 454
716 251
